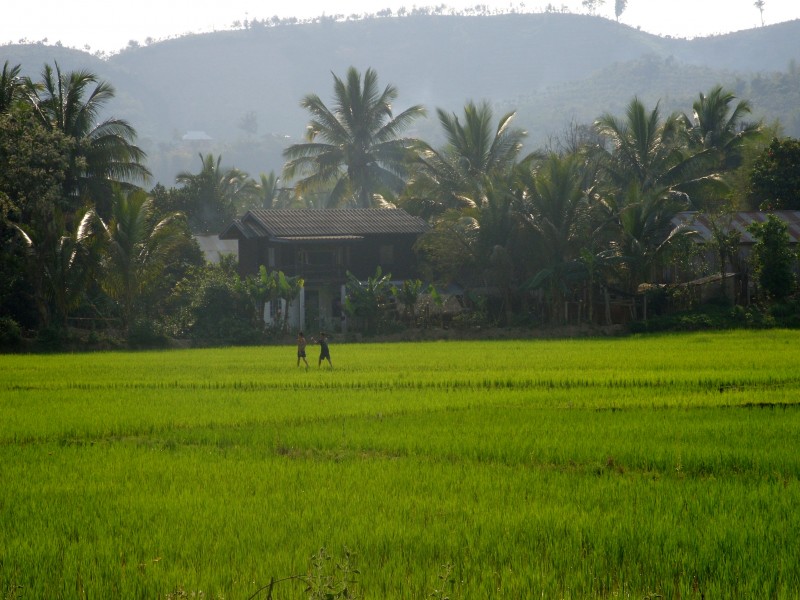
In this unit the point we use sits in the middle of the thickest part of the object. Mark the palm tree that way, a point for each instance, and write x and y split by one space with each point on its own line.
216 193
554 208
63 263
759 4
619 8
353 149
268 195
646 233
104 152
717 125
11 87
476 151
650 154
268 191
480 149
137 249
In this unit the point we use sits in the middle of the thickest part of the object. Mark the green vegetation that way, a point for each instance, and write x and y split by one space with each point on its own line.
521 236
641 467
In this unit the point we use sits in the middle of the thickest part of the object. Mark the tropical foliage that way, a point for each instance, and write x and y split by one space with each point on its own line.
524 237
368 299
137 249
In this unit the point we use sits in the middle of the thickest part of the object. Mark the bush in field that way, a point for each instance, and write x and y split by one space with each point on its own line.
327 579
146 333
51 339
217 308
786 314
369 300
10 334
773 258
221 314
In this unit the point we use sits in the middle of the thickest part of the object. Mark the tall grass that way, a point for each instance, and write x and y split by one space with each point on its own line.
559 469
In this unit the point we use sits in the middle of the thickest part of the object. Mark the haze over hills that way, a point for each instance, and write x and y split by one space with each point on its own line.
552 68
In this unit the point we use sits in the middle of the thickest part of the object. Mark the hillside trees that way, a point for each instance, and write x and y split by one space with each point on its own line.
619 8
759 4
354 149
592 5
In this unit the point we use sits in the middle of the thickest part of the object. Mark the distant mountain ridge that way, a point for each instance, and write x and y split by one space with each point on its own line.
549 67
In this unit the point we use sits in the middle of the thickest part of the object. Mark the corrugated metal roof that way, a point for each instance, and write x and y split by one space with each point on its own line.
739 221
330 222
319 238
240 228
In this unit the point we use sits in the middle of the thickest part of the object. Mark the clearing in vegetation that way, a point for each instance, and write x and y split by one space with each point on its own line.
662 466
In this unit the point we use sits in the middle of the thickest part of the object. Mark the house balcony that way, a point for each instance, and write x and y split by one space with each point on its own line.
316 273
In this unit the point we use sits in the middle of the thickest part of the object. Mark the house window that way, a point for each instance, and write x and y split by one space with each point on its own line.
318 258
386 254
271 257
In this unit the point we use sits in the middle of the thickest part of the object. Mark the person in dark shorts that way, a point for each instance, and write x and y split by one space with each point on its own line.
301 349
324 351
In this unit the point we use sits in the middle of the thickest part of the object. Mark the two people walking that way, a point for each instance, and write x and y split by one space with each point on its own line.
324 351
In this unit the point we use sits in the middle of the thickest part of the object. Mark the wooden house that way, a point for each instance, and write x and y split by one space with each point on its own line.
737 280
322 246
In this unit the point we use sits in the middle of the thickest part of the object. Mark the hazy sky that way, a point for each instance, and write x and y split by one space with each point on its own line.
109 25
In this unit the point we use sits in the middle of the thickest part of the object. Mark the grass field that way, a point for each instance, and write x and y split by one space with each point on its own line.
654 467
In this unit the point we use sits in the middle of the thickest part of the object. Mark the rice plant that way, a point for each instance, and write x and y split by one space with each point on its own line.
639 467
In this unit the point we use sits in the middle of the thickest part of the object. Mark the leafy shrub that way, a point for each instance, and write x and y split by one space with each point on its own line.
212 307
10 333
146 333
220 313
786 314
717 315
51 339
720 315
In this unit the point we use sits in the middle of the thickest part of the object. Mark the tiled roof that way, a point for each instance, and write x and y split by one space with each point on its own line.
324 223
739 221
320 238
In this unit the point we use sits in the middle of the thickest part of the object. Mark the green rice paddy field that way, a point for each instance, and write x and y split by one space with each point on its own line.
653 467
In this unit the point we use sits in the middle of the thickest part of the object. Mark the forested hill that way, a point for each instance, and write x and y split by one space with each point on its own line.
551 68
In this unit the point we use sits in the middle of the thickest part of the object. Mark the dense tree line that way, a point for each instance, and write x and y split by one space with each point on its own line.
593 213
